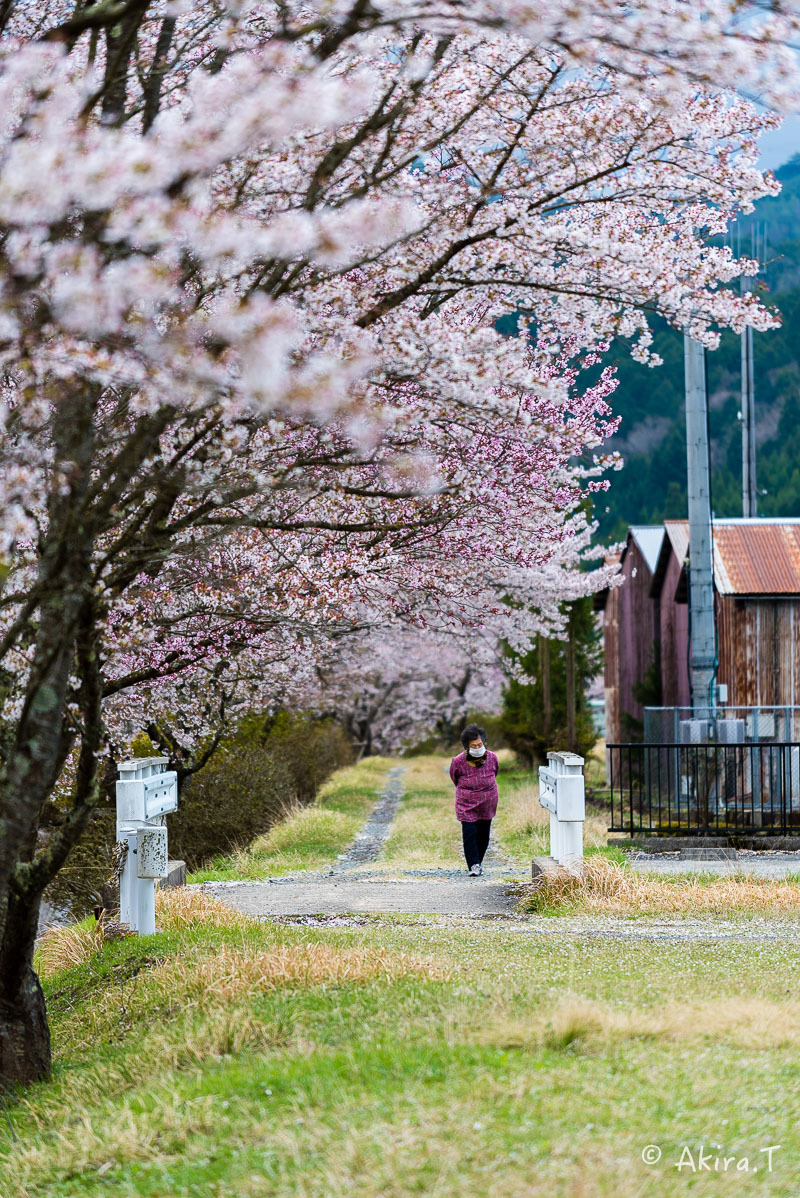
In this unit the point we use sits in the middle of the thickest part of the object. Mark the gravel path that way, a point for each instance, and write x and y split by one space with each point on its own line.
369 841
359 889
356 884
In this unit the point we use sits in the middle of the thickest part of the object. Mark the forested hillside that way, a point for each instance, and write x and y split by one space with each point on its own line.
652 484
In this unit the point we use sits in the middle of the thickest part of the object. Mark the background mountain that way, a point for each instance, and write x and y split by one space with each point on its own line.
652 483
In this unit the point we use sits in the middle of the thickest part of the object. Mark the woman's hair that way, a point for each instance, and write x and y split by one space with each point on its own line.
470 732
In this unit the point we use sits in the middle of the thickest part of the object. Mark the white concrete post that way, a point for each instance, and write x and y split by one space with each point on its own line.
146 792
562 793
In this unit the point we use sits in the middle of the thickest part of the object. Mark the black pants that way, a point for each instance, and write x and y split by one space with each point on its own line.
476 840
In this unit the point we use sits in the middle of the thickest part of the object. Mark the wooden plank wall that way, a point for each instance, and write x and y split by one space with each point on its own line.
759 650
611 665
638 621
758 638
674 624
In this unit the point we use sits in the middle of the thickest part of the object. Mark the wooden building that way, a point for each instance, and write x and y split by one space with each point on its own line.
757 608
670 593
629 630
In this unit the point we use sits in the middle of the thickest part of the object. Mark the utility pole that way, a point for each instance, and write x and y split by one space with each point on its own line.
749 500
748 414
701 582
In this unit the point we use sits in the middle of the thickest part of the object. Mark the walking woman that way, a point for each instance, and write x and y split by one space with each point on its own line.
474 773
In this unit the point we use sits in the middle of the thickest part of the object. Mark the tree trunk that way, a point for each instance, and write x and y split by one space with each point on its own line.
43 737
24 1033
120 41
152 89
572 735
544 660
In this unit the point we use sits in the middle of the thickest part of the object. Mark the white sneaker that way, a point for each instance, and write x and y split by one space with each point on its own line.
476 870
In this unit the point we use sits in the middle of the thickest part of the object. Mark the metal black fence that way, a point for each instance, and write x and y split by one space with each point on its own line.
705 788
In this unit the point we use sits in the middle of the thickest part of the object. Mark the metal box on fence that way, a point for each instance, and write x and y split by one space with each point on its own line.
151 852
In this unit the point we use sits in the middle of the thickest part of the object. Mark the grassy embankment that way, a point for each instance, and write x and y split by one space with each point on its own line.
400 1056
230 1057
309 836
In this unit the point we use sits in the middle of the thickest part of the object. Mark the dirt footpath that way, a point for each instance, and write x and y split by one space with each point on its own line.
357 883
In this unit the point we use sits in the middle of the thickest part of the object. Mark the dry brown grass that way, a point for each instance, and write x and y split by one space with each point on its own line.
608 888
224 982
220 1033
521 812
231 973
427 772
186 906
182 907
64 948
749 1022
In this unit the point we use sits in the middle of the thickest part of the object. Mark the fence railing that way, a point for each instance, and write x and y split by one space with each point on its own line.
705 788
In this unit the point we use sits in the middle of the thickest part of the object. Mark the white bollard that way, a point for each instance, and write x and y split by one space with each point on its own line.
562 792
146 792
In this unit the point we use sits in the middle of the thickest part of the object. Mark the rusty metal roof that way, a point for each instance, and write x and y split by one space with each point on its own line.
751 557
757 557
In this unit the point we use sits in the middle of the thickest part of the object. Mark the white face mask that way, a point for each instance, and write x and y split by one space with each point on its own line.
478 752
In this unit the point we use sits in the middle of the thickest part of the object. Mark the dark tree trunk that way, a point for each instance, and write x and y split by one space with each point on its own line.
152 91
24 1033
5 12
120 41
572 732
36 757
544 661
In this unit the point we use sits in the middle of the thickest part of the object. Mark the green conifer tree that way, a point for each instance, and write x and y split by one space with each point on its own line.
550 709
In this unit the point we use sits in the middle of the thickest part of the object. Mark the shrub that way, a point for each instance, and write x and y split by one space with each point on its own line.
265 767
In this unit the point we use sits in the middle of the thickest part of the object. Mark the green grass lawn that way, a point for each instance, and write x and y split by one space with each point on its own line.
229 1057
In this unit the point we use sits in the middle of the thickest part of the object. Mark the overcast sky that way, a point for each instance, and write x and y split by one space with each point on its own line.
779 145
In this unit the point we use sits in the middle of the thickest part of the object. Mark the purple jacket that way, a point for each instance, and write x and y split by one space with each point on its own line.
476 787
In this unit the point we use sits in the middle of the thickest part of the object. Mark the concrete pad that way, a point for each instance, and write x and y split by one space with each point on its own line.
777 865
176 875
707 855
542 867
669 844
474 896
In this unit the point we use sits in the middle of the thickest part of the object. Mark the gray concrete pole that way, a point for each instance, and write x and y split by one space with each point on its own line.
701 584
749 500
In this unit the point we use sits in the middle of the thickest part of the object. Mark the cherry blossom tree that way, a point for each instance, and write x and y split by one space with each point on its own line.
252 258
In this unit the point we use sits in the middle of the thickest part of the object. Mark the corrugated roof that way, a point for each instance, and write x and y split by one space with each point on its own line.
648 537
751 557
678 533
754 558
